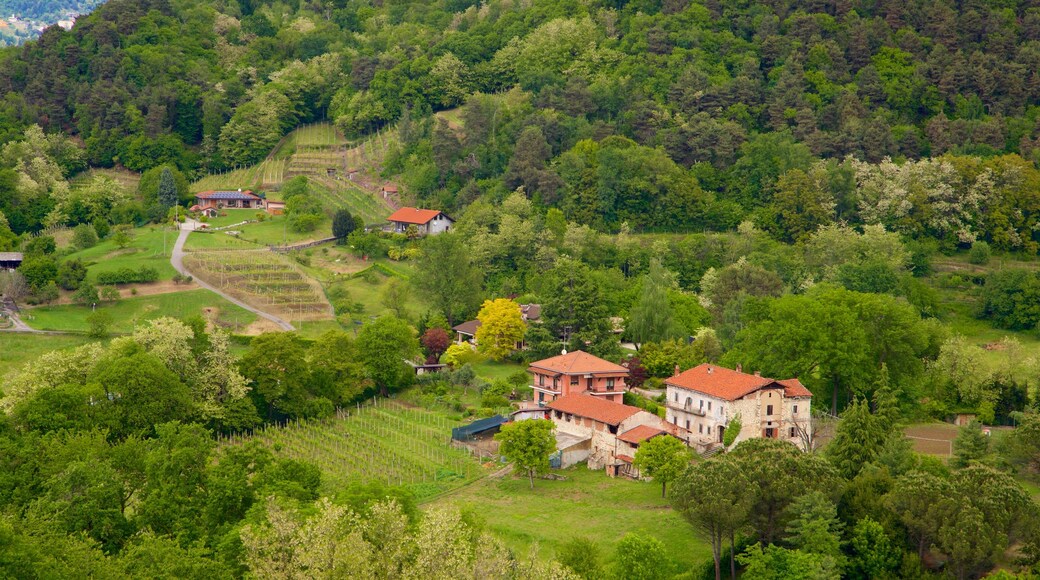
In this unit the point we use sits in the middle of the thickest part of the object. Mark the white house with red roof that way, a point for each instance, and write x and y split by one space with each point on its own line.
427 221
602 432
577 372
703 400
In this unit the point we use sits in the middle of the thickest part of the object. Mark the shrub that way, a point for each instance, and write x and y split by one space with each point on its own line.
109 294
87 294
84 236
142 275
979 253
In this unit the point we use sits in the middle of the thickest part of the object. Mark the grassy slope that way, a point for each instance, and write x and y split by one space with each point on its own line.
17 349
132 311
272 231
145 250
587 504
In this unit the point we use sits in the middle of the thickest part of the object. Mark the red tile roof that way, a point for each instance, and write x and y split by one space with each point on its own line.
729 384
594 408
626 458
579 362
411 215
640 434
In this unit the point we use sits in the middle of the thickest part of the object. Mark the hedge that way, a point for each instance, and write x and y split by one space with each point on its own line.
128 276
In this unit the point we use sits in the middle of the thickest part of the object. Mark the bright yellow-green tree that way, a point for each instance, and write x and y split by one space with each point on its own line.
501 327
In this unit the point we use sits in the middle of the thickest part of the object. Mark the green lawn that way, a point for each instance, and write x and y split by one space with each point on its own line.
17 349
146 249
217 241
490 370
588 504
367 287
132 311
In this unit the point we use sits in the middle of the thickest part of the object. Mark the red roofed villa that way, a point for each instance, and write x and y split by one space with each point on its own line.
704 399
427 221
577 372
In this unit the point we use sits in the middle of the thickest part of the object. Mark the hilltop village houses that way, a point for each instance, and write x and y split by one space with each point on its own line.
583 396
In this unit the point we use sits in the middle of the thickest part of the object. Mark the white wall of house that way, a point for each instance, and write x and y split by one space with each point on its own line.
440 224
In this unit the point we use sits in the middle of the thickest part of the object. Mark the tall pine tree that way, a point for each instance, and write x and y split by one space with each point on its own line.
167 189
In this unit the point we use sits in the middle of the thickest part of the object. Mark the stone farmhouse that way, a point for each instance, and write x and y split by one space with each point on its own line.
577 372
426 221
703 400
601 432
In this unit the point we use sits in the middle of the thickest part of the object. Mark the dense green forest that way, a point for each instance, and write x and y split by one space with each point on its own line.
843 192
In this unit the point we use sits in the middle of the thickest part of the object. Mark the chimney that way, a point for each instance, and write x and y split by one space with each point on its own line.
758 373
677 371
709 370
740 368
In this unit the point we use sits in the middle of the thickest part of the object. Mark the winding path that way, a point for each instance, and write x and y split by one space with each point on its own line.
177 260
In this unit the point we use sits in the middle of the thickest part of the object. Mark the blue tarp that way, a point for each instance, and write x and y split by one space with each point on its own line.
480 426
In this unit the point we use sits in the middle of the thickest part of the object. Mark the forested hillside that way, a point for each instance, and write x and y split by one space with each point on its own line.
663 114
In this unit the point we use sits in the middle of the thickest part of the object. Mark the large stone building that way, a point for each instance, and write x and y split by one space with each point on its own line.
703 400
577 372
604 433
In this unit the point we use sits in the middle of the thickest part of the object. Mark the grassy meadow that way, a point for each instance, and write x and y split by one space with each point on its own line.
587 503
17 349
128 313
146 249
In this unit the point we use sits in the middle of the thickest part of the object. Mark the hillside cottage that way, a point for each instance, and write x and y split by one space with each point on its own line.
601 432
427 221
10 260
228 199
577 372
704 399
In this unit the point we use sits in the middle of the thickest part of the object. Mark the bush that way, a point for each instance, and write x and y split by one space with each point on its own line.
70 274
142 275
99 321
48 293
109 294
979 253
87 294
84 236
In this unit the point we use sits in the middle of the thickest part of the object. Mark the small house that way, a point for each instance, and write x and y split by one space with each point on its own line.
244 199
10 260
275 207
426 221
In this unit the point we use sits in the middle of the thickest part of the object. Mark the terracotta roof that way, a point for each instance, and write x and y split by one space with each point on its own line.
469 327
729 384
579 362
640 434
244 194
795 388
594 408
626 458
411 215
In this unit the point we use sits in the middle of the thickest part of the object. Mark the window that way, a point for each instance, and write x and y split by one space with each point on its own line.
770 432
702 404
769 409
709 405
574 381
541 397
610 384
568 417
687 424
612 429
676 396
541 380
709 429
792 433
558 414
796 409
689 402
700 428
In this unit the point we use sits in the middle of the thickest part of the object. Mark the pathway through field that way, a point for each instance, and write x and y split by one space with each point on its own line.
177 260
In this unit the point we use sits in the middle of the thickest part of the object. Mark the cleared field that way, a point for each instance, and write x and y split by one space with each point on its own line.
146 249
17 349
383 441
366 290
587 504
339 193
126 178
128 313
263 279
932 438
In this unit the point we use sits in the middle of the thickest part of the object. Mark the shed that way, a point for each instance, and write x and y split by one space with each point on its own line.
10 260
480 427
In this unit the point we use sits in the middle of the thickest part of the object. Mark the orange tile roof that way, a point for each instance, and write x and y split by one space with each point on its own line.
729 384
626 458
579 362
594 408
640 434
411 215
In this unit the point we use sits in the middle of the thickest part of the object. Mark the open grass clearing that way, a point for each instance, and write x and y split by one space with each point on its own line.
490 370
126 314
380 441
151 247
367 288
16 348
126 178
587 503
